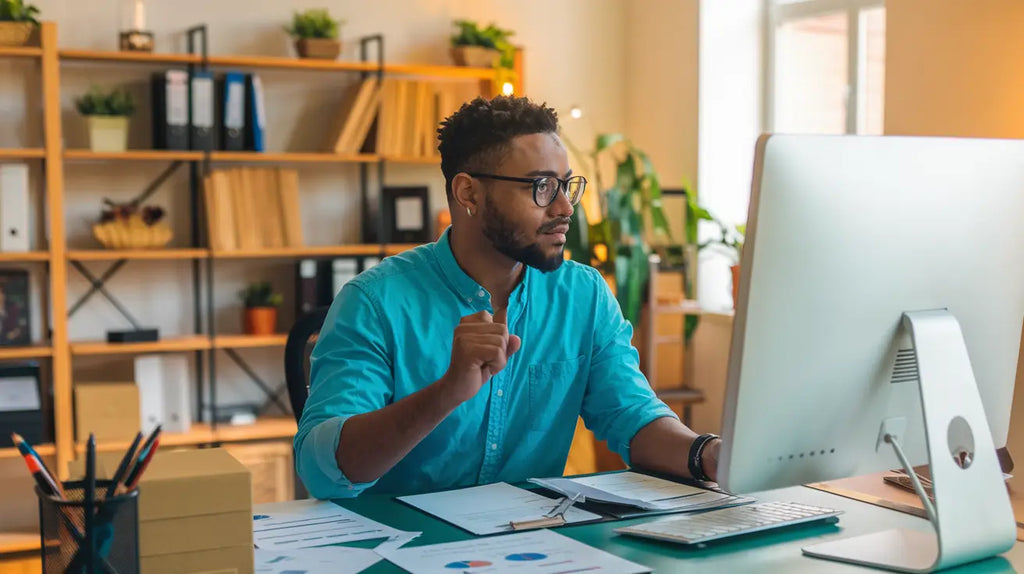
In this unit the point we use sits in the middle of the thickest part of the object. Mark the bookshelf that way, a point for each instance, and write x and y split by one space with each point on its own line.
56 255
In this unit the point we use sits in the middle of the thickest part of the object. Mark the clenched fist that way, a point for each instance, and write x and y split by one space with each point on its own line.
480 348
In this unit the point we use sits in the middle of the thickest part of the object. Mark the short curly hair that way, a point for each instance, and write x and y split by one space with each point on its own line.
476 136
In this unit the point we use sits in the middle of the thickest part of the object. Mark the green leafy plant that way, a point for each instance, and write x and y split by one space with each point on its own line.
260 294
314 23
729 237
632 223
470 34
97 102
18 11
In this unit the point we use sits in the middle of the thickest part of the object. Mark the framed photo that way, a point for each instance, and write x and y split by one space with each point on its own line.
406 214
15 329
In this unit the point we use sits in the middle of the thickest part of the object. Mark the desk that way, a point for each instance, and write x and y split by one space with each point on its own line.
766 552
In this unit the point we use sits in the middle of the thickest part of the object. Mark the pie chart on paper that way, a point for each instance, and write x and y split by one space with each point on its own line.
526 557
467 564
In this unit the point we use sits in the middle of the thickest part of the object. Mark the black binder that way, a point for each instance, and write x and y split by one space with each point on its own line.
202 108
170 110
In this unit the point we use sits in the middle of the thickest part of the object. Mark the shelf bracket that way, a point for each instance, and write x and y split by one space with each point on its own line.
97 287
271 394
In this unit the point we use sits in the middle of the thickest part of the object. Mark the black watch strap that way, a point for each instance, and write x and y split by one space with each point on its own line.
695 461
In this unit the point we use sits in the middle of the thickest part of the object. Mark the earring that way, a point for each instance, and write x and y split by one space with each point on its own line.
469 211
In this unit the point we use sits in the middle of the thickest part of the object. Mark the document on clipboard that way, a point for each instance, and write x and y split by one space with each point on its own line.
496 508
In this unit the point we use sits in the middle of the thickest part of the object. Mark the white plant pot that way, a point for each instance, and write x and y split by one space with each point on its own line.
108 133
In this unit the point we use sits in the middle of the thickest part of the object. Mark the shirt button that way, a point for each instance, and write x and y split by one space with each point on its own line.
500 392
494 446
469 299
480 293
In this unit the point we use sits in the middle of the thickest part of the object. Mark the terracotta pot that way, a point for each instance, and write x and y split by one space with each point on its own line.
260 320
318 48
735 284
15 33
475 56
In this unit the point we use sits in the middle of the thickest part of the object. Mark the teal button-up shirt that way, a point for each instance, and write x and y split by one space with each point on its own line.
389 334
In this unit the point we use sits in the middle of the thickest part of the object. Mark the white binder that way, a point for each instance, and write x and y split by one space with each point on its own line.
14 208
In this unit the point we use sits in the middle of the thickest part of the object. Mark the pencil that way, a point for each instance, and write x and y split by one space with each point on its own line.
28 452
141 467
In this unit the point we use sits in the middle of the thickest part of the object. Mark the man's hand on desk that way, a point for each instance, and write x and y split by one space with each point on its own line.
709 459
481 347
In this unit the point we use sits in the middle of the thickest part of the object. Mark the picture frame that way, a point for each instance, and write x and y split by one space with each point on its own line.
15 311
405 214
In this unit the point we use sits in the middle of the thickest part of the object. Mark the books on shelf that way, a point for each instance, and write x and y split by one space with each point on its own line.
253 208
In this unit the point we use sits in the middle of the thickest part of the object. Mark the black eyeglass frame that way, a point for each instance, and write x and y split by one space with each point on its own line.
563 185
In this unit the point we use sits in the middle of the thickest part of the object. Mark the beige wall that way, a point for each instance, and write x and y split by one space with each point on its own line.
955 68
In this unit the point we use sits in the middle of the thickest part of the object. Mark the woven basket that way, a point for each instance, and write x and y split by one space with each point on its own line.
132 233
475 56
15 33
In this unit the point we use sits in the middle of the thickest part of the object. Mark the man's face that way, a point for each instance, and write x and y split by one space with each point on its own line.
516 226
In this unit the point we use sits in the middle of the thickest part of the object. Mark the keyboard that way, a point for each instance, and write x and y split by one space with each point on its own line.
727 522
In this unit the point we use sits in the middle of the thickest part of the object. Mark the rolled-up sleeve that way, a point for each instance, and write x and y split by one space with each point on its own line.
619 401
350 374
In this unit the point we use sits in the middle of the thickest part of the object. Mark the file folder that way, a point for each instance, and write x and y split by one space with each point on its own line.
201 104
255 113
171 110
233 124
14 234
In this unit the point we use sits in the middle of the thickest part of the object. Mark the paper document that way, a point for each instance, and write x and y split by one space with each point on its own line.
308 523
488 509
326 560
535 551
648 494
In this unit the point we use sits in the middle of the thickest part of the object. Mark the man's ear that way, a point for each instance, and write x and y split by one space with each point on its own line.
465 193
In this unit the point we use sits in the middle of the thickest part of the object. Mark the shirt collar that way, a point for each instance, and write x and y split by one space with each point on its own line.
465 286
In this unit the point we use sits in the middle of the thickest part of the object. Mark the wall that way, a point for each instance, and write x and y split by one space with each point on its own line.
573 55
955 68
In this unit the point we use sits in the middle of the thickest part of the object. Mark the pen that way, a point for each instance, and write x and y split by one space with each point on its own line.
144 460
36 466
123 467
564 505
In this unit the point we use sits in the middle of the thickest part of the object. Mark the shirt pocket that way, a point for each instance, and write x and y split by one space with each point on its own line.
552 394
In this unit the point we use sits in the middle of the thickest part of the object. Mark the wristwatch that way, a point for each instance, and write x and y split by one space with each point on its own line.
695 460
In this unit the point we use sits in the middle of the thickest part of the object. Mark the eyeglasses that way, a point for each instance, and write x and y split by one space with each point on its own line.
545 189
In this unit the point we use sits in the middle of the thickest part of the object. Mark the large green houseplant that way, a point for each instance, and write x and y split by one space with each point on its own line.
631 224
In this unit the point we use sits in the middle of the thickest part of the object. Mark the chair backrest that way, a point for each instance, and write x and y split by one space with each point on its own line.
301 339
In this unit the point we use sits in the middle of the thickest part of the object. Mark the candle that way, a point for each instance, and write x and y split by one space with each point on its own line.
140 16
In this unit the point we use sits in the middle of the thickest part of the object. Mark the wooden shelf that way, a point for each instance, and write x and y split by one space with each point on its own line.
269 428
316 251
138 57
451 72
28 352
22 153
291 157
116 254
21 51
424 160
685 396
42 449
396 248
134 155
291 63
16 542
15 257
174 344
249 341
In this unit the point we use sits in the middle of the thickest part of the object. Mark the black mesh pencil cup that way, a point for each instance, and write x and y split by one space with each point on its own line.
105 540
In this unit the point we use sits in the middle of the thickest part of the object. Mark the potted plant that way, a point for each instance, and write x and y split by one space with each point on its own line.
132 226
261 305
630 225
729 239
482 48
315 34
107 114
17 22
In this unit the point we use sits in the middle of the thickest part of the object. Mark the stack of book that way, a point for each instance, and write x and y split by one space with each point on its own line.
253 208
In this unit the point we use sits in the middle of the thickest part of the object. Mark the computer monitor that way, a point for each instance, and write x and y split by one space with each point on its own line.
861 258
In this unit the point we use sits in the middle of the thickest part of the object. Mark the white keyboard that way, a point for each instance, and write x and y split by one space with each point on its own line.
726 522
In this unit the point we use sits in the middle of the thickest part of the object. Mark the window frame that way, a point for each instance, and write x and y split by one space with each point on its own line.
777 13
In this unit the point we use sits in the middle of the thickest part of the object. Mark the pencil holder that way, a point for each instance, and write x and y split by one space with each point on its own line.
103 539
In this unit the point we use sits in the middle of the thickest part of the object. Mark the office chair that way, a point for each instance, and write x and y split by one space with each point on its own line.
301 338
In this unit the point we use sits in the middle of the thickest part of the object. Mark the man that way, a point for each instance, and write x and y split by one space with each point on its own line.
469 360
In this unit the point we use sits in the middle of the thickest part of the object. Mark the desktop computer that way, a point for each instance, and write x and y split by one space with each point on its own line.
878 325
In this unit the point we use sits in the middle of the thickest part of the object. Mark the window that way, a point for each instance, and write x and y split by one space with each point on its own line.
826 66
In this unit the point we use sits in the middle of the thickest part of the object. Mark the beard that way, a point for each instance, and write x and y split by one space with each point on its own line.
510 242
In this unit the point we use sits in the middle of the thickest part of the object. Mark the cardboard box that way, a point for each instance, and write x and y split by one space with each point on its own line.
195 511
108 410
